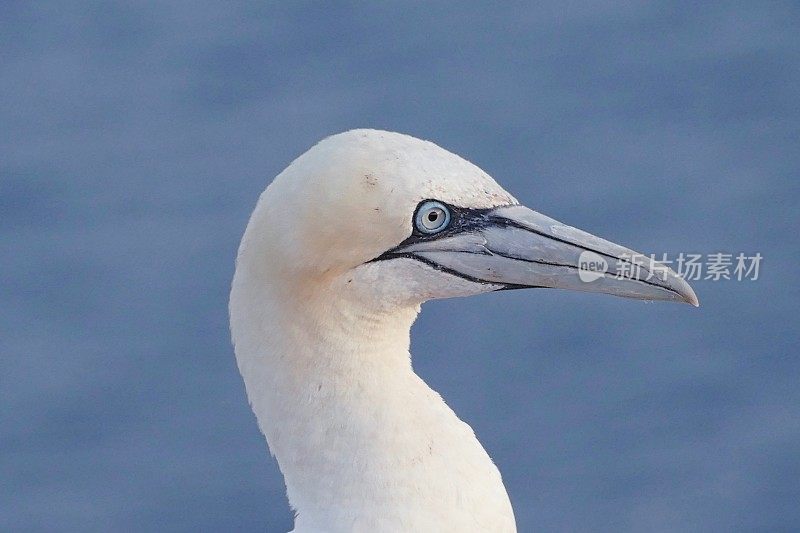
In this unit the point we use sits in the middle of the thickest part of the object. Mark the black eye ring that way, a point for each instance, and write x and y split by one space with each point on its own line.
432 217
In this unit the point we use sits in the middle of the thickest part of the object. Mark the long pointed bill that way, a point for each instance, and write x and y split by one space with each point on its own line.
516 247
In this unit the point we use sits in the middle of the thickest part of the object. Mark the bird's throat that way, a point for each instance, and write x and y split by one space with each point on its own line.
357 434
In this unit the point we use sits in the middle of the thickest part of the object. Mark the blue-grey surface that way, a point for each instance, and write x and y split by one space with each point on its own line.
136 137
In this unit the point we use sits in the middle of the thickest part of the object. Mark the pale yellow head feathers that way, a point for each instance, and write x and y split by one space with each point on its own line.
352 196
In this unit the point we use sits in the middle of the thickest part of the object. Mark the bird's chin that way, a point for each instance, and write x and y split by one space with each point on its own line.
403 282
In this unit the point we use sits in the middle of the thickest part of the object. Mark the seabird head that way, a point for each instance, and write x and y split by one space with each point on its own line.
397 220
342 248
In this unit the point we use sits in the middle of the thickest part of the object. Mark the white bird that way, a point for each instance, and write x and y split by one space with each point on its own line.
339 253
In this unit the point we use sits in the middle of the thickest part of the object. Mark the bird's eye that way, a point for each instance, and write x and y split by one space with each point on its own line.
432 217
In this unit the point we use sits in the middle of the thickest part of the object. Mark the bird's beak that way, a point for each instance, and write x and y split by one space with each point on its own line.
515 247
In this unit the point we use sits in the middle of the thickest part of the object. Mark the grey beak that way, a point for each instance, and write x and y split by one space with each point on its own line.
515 247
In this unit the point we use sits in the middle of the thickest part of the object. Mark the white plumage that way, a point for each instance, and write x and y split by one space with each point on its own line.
331 271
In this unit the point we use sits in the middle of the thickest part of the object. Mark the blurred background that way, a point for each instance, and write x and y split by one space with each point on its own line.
136 137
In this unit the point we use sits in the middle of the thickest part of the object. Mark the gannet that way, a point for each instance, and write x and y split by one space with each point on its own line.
340 252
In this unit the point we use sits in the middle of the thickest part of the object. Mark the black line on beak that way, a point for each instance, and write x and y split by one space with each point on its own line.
456 273
503 221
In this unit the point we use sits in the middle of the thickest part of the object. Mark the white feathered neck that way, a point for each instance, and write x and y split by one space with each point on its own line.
363 443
